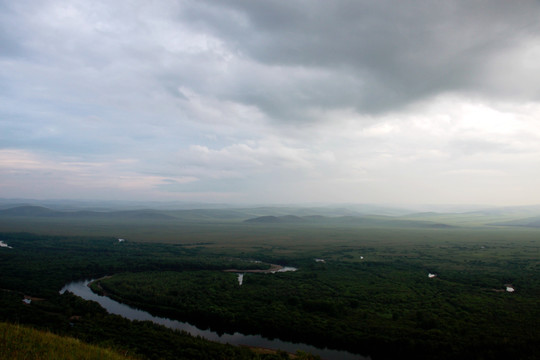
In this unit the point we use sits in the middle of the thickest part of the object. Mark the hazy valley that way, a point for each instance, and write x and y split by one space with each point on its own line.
361 284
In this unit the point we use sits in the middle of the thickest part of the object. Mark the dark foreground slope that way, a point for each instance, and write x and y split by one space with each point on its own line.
22 342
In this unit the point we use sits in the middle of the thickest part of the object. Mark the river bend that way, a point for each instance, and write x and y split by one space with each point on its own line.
80 288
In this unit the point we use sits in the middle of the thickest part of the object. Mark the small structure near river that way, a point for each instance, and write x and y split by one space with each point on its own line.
3 244
273 269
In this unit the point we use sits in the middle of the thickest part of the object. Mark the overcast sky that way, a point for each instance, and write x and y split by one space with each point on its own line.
271 101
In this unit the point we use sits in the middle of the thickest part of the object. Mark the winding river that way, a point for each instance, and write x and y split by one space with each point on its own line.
80 288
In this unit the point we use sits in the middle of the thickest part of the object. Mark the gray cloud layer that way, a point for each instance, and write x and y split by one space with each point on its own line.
316 100
385 54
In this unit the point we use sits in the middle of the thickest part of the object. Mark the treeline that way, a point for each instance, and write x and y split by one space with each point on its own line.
38 266
69 315
374 300
372 308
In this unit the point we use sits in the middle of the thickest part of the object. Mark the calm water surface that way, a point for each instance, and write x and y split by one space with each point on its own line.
80 288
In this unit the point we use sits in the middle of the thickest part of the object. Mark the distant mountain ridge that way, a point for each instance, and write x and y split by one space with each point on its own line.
270 219
28 210
525 216
346 220
526 222
39 211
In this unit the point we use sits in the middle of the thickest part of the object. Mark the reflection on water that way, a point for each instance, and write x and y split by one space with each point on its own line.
80 288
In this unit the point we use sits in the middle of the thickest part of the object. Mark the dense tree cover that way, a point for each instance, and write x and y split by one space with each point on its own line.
371 295
41 265
70 315
378 307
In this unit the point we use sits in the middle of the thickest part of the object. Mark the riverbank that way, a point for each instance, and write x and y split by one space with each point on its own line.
82 290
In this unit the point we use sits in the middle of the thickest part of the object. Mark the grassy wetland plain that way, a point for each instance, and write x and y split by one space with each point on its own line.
429 285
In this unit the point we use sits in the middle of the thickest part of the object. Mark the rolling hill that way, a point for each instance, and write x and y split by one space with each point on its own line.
346 221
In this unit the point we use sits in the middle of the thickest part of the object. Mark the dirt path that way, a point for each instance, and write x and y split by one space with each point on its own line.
273 268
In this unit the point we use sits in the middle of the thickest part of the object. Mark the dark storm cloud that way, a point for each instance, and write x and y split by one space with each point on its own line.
395 52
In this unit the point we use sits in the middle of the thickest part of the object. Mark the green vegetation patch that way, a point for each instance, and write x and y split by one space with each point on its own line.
362 289
345 305
21 342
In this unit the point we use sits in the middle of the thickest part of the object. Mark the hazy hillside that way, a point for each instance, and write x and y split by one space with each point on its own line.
527 222
28 210
346 221
39 211
346 215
